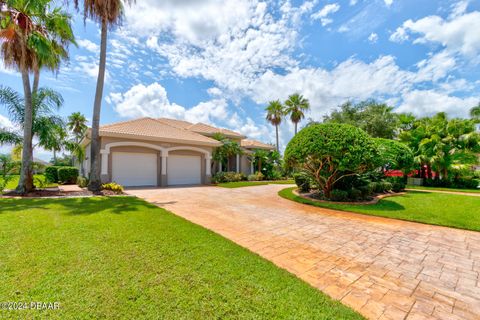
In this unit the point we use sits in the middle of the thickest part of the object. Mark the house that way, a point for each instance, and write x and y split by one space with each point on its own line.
164 152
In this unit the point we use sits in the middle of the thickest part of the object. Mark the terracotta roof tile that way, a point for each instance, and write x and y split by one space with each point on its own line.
210 130
149 128
254 144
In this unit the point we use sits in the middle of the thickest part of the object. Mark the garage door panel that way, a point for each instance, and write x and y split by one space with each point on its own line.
134 169
184 170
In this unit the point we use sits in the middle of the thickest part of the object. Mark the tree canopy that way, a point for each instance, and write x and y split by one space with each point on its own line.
330 152
394 155
377 119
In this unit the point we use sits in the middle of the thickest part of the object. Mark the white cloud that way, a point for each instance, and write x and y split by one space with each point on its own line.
373 37
353 2
459 8
457 35
323 14
388 3
88 45
429 102
436 67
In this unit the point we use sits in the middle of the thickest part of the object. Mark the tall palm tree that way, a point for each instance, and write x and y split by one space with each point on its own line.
32 36
296 106
108 13
77 124
275 113
9 137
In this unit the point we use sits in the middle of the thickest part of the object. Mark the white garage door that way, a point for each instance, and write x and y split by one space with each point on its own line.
134 169
184 170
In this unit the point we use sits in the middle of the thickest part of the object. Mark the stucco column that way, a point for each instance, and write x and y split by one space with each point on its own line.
251 166
220 166
208 171
104 166
163 179
238 163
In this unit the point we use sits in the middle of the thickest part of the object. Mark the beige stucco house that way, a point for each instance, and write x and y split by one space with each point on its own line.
164 152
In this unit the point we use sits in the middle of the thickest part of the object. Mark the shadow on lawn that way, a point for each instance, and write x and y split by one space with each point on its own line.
77 206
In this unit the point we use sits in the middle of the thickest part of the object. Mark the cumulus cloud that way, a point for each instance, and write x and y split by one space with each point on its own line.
325 12
88 45
457 35
5 123
429 102
388 3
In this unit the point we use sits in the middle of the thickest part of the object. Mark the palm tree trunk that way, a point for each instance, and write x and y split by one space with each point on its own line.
25 184
95 179
36 80
276 131
295 128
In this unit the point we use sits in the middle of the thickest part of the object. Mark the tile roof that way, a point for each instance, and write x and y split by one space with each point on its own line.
180 124
210 130
254 144
153 129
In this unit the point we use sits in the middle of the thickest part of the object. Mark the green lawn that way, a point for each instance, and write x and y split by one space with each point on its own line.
12 184
449 210
444 189
241 184
107 258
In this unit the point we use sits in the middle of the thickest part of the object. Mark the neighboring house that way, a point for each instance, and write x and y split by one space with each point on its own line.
163 152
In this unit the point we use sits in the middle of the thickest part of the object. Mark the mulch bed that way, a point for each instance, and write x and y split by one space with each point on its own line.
57 193
314 197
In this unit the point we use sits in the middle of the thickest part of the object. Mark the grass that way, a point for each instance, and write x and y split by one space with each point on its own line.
105 258
12 184
448 210
444 189
240 184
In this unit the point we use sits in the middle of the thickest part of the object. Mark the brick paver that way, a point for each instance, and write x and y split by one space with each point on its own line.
383 268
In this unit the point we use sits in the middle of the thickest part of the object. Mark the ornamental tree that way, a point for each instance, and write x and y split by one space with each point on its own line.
394 155
330 152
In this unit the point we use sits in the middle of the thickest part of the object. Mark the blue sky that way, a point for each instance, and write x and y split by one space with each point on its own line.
221 61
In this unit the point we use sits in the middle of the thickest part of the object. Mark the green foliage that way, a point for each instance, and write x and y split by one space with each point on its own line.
222 177
112 186
394 155
377 119
82 182
257 176
40 182
268 163
398 183
229 148
67 175
302 181
331 152
338 195
51 174
295 107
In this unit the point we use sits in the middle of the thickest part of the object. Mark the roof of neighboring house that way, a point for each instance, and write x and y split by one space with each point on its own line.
154 129
210 130
180 124
254 144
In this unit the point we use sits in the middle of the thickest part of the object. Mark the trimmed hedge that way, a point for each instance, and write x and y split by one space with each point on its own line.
51 174
67 175
222 177
302 181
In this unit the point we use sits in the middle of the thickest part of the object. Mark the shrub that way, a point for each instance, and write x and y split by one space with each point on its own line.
39 182
355 194
331 150
338 195
112 186
222 177
82 182
4 180
366 191
386 186
376 187
258 176
394 154
302 181
67 175
465 183
51 174
398 183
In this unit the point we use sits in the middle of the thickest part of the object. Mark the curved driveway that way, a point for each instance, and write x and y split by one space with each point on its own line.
383 268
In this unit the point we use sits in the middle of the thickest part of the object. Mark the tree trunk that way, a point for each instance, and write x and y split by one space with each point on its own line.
276 132
25 184
296 128
36 80
54 157
95 179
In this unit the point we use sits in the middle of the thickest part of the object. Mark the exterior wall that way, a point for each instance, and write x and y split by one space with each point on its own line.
245 166
157 147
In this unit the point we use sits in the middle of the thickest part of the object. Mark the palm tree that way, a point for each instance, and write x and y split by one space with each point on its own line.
45 123
77 124
108 13
296 105
33 36
275 113
9 137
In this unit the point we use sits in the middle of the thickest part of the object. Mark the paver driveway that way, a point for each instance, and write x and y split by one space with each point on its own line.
384 268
